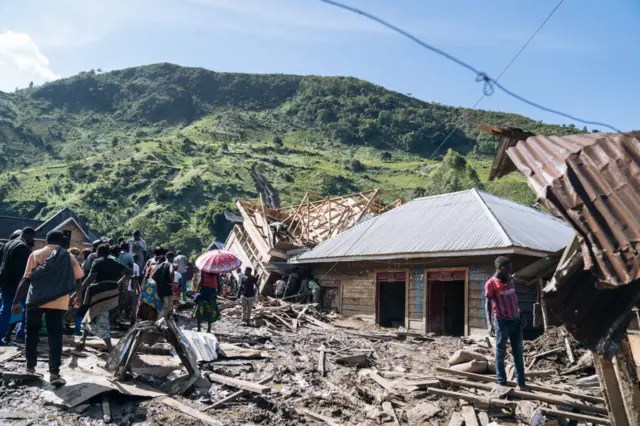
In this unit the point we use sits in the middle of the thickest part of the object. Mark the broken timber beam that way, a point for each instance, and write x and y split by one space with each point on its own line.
327 420
483 401
387 385
176 405
492 379
575 416
321 368
106 409
469 415
388 408
235 395
240 384
528 395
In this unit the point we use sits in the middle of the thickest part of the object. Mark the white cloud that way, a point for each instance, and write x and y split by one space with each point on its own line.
21 62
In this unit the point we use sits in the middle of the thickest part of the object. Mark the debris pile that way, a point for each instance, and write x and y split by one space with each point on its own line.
298 365
553 354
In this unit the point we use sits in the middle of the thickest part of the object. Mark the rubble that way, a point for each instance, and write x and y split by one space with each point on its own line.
295 366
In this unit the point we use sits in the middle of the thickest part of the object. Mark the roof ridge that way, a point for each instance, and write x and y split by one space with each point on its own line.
492 217
529 208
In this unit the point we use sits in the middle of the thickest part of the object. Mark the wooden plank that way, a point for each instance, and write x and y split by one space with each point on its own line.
235 395
469 415
575 416
482 401
238 383
106 409
547 389
527 395
321 363
309 413
567 345
10 355
483 418
170 402
387 385
388 408
456 419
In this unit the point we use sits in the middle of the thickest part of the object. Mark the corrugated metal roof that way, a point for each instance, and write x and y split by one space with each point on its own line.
60 218
10 224
460 222
592 181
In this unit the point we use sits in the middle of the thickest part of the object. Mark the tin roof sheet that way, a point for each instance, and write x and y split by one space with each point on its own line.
592 181
462 222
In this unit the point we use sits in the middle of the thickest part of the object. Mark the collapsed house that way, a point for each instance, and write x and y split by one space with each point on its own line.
257 242
592 182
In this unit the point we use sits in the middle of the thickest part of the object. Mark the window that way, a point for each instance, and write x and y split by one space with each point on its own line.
67 233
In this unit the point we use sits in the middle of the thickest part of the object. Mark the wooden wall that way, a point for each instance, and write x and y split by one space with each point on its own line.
359 297
478 276
357 283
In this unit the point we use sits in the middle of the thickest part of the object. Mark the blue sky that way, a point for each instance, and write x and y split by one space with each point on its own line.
584 61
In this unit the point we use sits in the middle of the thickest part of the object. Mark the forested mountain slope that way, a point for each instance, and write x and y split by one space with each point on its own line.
166 148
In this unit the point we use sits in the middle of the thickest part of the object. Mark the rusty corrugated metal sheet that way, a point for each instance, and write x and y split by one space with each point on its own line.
592 181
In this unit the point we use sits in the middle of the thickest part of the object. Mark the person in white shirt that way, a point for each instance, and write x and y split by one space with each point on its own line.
181 261
240 277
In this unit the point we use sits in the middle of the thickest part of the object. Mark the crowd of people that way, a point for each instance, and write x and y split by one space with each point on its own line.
87 292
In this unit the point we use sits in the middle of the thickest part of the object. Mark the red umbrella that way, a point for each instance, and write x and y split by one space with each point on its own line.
218 262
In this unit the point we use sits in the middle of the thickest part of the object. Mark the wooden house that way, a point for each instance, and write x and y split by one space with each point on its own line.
65 220
423 265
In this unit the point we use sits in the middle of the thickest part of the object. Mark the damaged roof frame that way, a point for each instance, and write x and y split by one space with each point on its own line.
592 182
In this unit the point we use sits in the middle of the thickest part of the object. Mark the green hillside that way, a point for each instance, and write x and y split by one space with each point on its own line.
166 148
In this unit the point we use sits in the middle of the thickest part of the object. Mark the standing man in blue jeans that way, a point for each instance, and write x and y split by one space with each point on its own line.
500 292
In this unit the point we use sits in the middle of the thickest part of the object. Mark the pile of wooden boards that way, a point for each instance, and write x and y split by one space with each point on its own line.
279 315
493 400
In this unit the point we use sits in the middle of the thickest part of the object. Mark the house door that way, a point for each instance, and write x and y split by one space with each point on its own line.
391 290
445 295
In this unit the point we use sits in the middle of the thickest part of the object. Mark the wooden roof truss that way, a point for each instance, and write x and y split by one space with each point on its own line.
315 219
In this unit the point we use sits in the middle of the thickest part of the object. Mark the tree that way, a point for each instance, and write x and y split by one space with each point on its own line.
31 85
99 70
418 192
114 141
356 166
277 141
452 174
385 156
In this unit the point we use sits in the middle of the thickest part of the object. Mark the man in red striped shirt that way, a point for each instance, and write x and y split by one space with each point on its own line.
500 292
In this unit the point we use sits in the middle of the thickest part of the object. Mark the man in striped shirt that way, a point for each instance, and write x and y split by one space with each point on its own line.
502 299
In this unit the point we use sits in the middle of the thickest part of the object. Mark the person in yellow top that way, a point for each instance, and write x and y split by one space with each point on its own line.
50 277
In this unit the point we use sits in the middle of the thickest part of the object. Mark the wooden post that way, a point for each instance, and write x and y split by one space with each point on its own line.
321 363
625 369
610 390
543 305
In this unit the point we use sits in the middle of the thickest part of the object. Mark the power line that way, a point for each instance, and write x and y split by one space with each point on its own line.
489 83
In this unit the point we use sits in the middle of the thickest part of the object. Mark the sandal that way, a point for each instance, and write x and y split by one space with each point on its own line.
56 380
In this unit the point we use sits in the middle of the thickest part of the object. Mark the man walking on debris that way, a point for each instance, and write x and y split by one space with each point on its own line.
15 255
50 276
248 292
501 297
